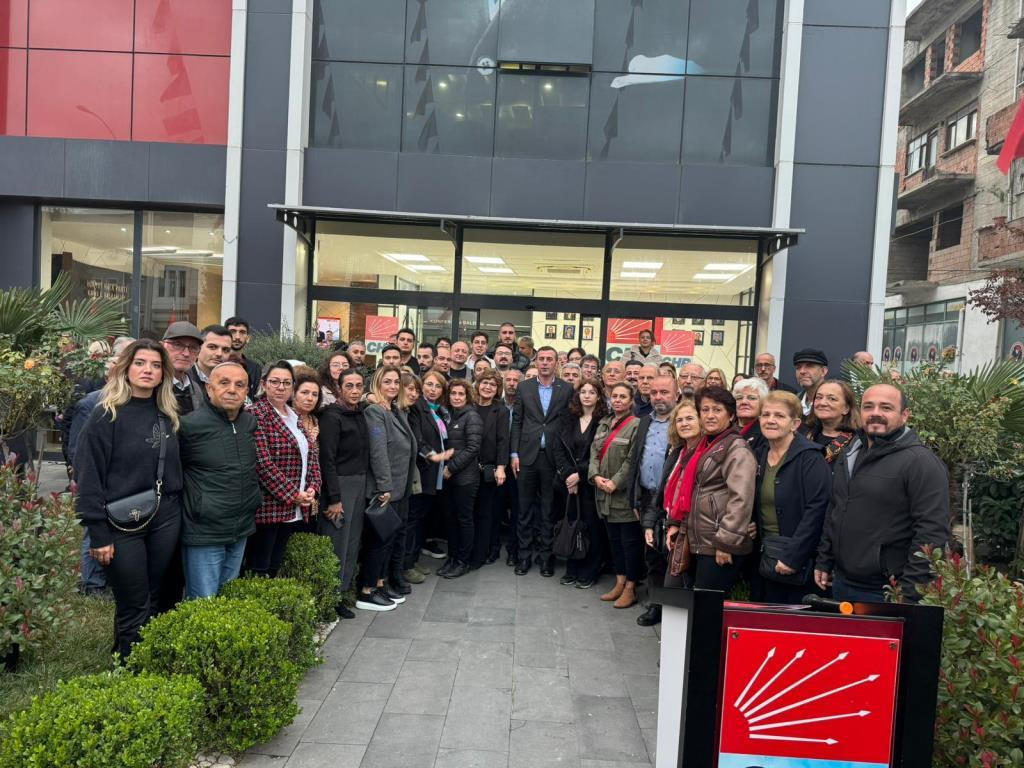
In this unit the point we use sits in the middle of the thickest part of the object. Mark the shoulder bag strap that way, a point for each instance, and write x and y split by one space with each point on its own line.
612 435
162 460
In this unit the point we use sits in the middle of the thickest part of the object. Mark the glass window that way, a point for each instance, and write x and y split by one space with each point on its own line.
969 35
359 30
730 36
13 71
180 98
182 270
448 110
375 323
553 264
635 120
94 246
729 120
557 31
962 127
683 270
184 26
80 95
641 38
356 106
400 258
460 32
542 116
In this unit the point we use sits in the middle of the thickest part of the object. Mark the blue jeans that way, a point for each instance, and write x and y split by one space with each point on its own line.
843 591
209 567
94 575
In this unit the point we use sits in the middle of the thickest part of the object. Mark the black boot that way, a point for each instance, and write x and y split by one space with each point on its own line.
650 617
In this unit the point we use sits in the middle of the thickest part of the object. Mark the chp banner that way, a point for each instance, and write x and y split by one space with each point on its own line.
379 328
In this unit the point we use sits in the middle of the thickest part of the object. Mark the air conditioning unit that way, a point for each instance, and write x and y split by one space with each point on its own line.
563 270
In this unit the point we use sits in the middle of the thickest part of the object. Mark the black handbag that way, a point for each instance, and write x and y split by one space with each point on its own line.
572 539
487 473
383 519
133 513
774 548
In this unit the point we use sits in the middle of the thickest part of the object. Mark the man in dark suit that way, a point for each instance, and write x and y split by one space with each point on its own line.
540 409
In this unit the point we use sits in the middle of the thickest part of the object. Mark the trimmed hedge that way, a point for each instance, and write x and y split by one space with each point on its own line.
310 559
109 720
289 600
239 652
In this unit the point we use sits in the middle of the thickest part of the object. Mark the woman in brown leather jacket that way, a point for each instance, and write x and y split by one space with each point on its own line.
716 498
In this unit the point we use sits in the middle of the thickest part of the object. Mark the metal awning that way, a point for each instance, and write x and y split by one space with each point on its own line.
300 218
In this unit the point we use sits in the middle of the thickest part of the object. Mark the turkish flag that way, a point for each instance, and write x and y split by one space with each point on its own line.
1013 145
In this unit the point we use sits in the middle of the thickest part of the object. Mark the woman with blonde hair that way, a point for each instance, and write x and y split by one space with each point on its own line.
127 459
715 378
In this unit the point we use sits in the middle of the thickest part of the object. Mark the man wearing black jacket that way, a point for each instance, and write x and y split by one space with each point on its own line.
240 336
890 499
649 451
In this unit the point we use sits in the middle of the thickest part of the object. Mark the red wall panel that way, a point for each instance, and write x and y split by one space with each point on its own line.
183 26
79 94
81 25
14 23
181 99
12 91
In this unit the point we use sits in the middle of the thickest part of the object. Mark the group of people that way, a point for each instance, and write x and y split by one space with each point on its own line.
445 449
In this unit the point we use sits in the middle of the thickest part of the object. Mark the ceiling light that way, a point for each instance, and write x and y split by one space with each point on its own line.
548 86
167 231
727 267
442 85
459 116
712 276
124 229
382 83
496 270
400 257
639 275
642 264
425 267
485 260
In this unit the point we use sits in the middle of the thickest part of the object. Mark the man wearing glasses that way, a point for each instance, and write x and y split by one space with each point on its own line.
764 369
691 378
182 341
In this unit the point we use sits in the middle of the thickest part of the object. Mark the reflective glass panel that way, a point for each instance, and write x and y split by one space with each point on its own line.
182 270
80 94
93 25
14 23
180 98
183 26
542 116
648 37
375 323
635 120
382 256
359 30
13 64
729 120
730 37
356 106
684 270
448 110
459 32
721 344
555 264
94 246
558 31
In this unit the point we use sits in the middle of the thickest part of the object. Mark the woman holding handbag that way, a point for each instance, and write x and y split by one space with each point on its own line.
288 467
792 496
462 477
492 461
610 465
127 461
572 458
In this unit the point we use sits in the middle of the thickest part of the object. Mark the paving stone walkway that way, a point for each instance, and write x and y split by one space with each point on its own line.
492 670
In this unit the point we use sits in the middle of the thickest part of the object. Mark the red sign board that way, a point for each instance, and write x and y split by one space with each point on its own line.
380 328
805 696
676 343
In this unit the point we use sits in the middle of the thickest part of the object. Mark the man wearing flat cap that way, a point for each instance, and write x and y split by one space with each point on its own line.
182 341
811 368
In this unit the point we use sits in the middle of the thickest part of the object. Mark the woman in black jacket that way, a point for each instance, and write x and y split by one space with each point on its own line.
344 466
492 460
462 477
794 486
118 456
574 492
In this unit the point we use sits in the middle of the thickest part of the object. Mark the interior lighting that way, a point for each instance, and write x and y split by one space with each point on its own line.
639 275
712 276
442 85
496 270
382 83
642 264
400 257
726 267
424 267
548 87
485 260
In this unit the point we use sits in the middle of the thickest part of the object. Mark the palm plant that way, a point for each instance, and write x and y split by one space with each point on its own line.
28 315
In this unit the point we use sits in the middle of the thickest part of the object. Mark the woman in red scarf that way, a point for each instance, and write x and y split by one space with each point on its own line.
716 498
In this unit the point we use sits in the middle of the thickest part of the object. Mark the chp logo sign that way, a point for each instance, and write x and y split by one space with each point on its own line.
805 700
379 329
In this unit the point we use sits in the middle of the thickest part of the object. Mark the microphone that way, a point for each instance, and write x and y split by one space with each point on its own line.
826 605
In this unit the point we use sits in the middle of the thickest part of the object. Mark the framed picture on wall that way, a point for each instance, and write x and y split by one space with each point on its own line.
550 331
550 315
717 338
678 321
698 338
697 321
588 333
570 315
718 322
569 332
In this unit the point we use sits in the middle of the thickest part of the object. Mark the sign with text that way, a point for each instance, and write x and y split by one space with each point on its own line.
808 699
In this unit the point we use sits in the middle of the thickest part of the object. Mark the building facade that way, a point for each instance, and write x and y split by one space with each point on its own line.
956 221
718 170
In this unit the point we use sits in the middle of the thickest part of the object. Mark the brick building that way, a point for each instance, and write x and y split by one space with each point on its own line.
958 217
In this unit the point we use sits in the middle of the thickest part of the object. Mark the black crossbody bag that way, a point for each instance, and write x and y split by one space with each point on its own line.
133 513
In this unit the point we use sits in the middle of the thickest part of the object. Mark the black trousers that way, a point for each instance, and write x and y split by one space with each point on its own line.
376 554
588 568
461 501
486 522
536 483
135 573
420 507
627 544
264 550
396 553
654 558
705 573
511 508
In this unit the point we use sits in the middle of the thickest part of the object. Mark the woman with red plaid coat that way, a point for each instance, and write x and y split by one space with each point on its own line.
288 466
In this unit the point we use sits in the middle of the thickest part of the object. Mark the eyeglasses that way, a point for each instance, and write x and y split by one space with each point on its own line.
337 366
181 347
276 383
690 377
764 365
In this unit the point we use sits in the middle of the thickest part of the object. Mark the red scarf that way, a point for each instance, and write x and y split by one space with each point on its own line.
745 431
679 490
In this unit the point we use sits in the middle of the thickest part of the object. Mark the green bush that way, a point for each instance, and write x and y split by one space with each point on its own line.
238 651
109 720
310 559
270 346
39 554
980 714
998 503
290 601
